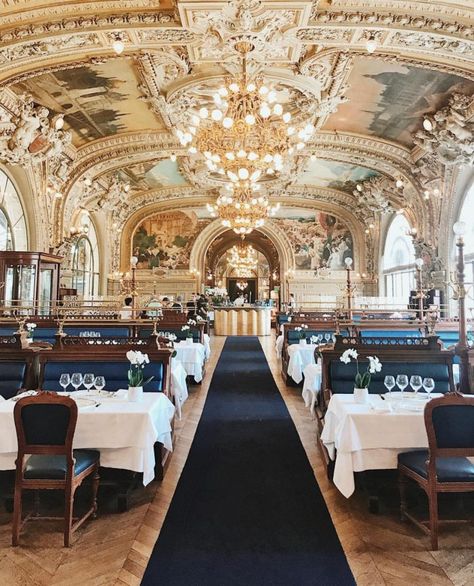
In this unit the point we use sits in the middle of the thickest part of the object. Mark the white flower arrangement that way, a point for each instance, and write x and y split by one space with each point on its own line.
314 339
30 328
192 322
137 360
301 331
362 381
185 328
172 337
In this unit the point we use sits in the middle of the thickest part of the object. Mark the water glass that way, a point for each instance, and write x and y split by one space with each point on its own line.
88 380
416 382
389 382
402 382
428 386
76 380
65 381
327 337
99 383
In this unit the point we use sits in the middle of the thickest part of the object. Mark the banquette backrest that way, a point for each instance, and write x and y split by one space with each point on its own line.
398 355
17 366
144 330
95 355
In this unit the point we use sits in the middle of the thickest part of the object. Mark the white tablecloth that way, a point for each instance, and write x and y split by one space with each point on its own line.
179 387
123 432
312 385
207 346
366 439
192 357
279 345
300 356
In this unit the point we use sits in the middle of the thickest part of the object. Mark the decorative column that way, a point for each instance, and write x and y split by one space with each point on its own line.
349 287
459 229
420 294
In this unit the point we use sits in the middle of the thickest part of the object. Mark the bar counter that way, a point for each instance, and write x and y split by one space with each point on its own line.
247 320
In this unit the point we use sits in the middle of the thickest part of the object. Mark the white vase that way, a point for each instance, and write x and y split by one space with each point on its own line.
361 396
303 342
135 394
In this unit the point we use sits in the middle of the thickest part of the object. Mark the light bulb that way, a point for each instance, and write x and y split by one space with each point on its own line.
265 111
252 156
251 87
234 87
230 156
427 124
192 150
399 183
227 122
250 119
290 130
241 154
371 45
419 262
359 187
195 120
118 46
278 109
203 113
59 123
217 115
243 173
459 228
286 117
223 91
348 262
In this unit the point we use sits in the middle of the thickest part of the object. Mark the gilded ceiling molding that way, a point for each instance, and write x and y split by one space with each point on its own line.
448 9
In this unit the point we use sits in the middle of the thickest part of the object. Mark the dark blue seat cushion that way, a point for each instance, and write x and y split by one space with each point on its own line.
282 319
55 467
12 376
390 334
115 332
342 375
115 373
8 331
457 469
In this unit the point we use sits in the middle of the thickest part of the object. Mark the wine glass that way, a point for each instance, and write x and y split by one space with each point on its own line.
416 382
389 382
64 381
99 383
402 382
428 386
320 338
327 337
88 380
76 380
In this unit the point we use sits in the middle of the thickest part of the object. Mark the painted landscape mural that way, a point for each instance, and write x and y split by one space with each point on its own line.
165 240
341 176
389 100
318 239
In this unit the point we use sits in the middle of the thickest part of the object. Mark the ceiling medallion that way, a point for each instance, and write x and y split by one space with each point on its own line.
242 209
248 134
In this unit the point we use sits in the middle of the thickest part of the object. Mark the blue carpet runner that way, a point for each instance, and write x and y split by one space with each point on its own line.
247 509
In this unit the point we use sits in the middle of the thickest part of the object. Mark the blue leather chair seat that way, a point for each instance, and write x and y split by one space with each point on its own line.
8 331
342 375
282 319
12 375
115 374
55 467
45 334
390 334
457 469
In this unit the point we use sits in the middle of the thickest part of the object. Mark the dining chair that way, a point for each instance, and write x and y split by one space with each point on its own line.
445 466
45 426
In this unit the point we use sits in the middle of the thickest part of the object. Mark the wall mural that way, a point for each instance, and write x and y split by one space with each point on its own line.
165 240
342 176
389 100
318 240
95 100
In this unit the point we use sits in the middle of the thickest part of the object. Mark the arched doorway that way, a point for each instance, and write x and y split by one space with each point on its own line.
262 280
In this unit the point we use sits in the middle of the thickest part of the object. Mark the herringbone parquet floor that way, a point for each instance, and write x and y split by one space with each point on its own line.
114 549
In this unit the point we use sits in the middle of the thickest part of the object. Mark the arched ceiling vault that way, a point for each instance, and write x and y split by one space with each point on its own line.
367 107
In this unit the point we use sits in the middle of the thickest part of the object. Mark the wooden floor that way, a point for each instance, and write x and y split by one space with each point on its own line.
114 549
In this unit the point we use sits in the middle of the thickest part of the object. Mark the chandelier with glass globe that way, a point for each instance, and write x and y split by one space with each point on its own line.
242 209
248 133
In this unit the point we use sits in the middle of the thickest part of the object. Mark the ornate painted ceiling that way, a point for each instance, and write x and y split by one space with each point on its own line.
118 154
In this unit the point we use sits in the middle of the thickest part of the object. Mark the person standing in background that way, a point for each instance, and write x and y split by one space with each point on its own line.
291 305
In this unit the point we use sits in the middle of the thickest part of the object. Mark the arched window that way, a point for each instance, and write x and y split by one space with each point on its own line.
399 260
13 234
85 262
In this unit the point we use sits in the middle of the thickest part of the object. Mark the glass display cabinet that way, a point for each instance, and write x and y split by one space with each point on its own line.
29 281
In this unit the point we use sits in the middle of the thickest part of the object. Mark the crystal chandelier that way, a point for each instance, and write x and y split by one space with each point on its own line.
243 258
242 208
242 285
248 133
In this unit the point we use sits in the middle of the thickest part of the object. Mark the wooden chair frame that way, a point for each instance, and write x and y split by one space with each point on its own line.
430 485
71 481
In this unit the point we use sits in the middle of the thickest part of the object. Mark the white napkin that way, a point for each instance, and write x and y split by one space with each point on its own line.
121 393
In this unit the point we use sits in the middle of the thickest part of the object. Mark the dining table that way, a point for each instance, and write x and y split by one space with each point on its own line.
313 375
124 432
192 356
300 355
360 437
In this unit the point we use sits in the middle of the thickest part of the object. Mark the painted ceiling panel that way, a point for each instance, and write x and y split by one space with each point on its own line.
321 173
97 100
388 100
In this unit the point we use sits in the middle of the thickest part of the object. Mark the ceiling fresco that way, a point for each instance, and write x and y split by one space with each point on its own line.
342 176
389 101
153 175
97 100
